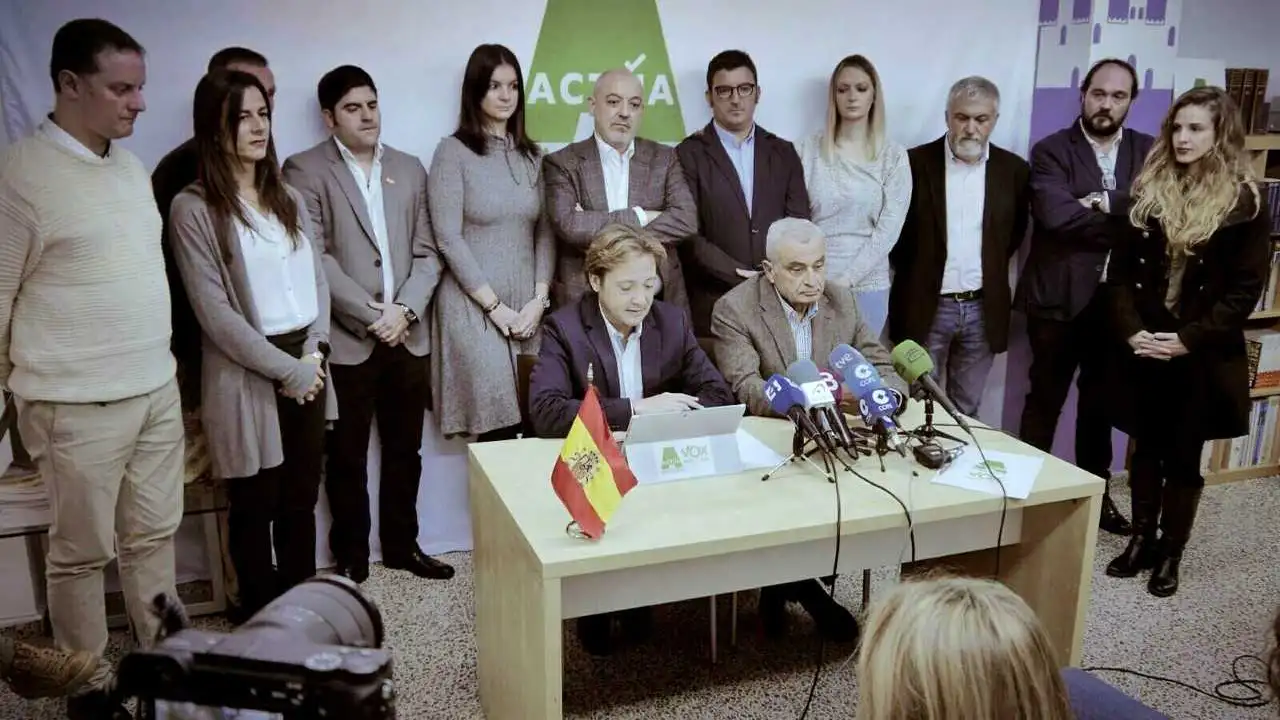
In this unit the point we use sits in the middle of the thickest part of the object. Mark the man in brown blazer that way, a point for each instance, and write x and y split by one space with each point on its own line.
743 178
969 212
369 204
615 177
785 314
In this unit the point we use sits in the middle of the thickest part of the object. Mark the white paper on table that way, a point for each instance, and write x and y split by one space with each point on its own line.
754 453
1017 472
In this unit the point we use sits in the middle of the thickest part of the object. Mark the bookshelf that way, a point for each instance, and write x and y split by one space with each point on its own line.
1258 454
1258 146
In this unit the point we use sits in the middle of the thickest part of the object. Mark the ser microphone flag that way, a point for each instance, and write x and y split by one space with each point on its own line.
591 475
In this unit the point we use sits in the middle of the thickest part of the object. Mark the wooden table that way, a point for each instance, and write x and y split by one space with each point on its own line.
696 538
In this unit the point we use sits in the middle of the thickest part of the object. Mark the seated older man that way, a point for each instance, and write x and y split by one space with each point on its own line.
644 356
767 322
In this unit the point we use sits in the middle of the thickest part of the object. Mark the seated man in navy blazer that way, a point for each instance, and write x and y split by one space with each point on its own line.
644 356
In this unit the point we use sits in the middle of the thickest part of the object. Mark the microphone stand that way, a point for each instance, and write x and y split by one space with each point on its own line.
799 454
927 431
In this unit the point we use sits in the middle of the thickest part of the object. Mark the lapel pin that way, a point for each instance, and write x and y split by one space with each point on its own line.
390 181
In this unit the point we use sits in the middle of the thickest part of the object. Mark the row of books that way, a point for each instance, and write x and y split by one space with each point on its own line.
1259 447
1271 188
1263 348
1248 87
1271 292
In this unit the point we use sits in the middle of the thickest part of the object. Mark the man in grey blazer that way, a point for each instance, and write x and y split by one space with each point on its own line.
615 177
369 204
761 326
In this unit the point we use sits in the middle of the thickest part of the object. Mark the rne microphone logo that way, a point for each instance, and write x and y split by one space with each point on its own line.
581 39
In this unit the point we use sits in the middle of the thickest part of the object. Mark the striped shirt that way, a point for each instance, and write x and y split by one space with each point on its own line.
801 327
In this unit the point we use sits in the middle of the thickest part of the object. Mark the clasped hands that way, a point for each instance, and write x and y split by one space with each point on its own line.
666 403
1157 346
393 327
518 325
316 385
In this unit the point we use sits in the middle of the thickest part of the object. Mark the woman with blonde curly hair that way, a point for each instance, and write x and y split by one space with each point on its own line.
955 648
1187 270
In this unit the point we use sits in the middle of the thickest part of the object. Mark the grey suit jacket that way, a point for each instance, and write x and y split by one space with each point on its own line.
239 366
574 177
753 340
351 259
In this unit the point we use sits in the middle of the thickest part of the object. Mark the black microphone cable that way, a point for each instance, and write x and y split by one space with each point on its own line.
831 464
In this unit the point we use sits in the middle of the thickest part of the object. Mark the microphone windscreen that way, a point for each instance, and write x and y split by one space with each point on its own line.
804 371
841 359
911 361
782 394
833 382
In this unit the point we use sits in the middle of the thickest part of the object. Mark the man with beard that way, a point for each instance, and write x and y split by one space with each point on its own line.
1080 175
968 215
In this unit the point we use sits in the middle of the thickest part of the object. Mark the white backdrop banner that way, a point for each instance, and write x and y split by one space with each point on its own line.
416 53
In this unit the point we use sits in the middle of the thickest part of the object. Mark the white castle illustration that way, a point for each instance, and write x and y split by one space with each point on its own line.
1074 34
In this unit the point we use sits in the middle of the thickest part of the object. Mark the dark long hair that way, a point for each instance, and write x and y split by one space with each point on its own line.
475 85
216 120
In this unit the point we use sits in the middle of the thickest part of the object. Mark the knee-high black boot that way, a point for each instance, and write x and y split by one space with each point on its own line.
1145 483
1178 514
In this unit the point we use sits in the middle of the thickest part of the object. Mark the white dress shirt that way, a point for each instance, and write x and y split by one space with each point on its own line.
627 353
281 279
617 177
371 188
966 199
1106 157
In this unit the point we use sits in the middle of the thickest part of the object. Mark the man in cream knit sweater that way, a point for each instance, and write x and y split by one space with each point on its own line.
84 337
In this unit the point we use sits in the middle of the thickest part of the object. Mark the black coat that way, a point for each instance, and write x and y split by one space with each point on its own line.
920 256
1203 395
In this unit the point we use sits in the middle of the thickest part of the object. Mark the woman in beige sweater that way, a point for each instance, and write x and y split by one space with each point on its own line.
243 243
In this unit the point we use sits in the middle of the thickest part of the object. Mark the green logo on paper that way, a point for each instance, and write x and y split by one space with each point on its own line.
579 40
671 459
980 472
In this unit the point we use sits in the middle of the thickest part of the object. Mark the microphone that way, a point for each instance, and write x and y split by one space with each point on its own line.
819 400
847 438
878 403
913 364
787 399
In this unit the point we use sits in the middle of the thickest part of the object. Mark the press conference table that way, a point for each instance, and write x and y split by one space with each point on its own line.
715 535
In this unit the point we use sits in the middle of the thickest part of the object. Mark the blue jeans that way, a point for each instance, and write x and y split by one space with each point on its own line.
958 344
874 306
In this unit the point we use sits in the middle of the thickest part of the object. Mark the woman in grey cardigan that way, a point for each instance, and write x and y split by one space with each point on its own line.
242 241
485 195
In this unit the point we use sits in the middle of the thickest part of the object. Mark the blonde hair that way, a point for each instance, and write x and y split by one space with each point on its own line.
956 649
875 118
615 243
1191 202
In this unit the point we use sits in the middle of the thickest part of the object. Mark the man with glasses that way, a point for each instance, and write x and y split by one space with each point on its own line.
1080 177
743 178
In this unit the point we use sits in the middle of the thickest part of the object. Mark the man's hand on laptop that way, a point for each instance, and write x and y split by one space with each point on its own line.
667 403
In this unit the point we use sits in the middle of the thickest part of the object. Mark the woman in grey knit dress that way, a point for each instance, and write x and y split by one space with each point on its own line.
485 195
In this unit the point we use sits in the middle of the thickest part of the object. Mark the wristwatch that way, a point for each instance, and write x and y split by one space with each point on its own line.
545 300
409 315
1095 200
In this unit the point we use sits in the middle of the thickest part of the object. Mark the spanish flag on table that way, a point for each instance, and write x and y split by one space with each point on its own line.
591 474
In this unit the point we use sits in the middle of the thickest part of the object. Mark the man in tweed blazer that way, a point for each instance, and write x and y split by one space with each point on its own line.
369 205
615 177
789 313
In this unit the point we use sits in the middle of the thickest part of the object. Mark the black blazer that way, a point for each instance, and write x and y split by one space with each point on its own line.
728 238
576 336
920 255
1069 242
172 175
1209 386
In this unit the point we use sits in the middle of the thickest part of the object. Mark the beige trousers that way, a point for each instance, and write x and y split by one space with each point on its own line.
114 472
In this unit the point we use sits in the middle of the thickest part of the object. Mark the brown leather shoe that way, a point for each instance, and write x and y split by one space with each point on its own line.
40 672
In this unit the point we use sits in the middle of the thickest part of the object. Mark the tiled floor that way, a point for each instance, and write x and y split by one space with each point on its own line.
1230 592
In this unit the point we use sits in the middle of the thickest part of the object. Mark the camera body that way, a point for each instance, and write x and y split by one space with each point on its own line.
267 672
314 652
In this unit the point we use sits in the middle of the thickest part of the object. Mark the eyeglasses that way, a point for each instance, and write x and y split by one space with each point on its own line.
724 92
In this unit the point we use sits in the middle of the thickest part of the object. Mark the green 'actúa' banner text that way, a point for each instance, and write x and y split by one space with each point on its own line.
579 40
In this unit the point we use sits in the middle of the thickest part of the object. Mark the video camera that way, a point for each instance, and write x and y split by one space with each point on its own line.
313 652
